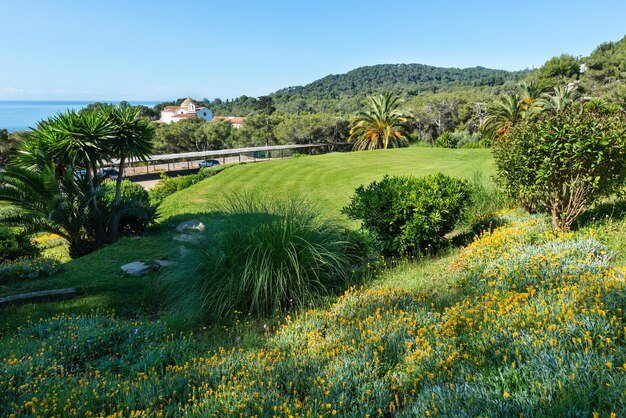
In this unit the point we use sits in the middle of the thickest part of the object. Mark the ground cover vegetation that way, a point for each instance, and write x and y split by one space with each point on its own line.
537 323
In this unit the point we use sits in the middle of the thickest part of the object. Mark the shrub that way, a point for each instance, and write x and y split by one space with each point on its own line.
410 214
562 162
135 194
269 256
170 185
445 140
28 269
15 245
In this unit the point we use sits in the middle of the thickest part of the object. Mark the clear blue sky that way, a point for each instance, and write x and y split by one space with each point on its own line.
160 50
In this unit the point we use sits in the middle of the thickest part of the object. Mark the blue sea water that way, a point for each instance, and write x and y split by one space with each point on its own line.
21 115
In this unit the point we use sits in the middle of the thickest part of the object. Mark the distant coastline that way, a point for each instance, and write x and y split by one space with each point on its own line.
19 115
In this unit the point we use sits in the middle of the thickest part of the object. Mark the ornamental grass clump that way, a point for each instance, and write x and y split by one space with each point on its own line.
269 256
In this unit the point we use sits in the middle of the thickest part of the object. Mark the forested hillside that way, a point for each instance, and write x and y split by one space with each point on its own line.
343 93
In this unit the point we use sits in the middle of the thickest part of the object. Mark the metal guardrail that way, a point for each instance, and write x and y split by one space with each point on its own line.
164 158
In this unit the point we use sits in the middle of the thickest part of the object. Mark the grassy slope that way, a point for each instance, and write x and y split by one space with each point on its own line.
329 180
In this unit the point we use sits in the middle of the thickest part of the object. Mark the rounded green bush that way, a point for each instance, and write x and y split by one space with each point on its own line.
14 246
410 214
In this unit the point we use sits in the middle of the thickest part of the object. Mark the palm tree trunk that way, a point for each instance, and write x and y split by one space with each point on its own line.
114 232
99 229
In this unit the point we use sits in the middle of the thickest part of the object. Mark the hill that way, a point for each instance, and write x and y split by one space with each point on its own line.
342 93
409 79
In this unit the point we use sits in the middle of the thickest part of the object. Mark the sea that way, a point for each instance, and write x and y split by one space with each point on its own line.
22 115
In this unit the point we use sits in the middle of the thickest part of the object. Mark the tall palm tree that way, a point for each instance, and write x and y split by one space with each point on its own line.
132 140
383 125
83 143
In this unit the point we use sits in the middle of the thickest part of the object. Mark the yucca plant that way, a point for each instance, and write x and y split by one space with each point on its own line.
269 256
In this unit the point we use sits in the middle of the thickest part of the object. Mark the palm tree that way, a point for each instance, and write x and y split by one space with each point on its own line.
561 98
383 125
49 202
132 140
83 143
505 113
35 151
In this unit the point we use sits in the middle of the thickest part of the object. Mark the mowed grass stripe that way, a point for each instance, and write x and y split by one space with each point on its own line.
329 179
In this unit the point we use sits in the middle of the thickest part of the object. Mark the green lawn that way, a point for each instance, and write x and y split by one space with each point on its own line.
328 180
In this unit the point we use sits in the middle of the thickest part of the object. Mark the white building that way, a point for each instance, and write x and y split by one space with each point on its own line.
187 109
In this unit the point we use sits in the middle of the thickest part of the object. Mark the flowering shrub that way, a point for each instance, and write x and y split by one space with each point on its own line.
28 269
46 241
517 344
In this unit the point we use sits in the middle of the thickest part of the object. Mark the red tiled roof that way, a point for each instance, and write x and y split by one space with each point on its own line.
234 120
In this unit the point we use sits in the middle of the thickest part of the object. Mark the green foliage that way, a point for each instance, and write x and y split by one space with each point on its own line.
170 185
269 256
564 161
445 140
410 214
131 195
192 134
311 129
81 351
558 70
15 245
382 125
540 327
28 269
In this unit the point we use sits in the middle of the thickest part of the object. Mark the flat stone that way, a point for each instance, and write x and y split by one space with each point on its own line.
164 263
41 296
136 268
184 251
192 225
193 239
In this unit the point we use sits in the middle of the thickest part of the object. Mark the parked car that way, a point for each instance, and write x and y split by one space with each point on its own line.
109 174
208 163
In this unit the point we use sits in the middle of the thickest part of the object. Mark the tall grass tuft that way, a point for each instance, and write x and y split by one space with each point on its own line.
269 256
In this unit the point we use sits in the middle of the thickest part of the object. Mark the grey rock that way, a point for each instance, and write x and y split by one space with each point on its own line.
184 251
136 268
192 225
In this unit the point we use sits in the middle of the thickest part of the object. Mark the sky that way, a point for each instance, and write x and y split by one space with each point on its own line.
161 50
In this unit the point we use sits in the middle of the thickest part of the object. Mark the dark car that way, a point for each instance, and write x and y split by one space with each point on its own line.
109 173
208 163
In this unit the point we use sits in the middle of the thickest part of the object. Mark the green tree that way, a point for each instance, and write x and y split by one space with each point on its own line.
563 161
382 125
217 134
505 113
132 140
